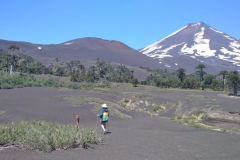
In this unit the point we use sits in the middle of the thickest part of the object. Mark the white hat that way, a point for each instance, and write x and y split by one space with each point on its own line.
104 105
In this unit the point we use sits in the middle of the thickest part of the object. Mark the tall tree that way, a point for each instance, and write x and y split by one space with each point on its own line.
181 73
200 71
92 69
60 72
223 73
234 79
135 82
13 48
14 60
7 58
81 68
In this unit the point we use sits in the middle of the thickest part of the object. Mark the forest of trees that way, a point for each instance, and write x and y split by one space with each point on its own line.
104 71
198 80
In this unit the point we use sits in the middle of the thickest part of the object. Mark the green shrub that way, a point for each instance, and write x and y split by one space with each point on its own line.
27 80
47 136
135 82
157 108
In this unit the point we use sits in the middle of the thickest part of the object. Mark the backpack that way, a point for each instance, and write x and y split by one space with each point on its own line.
105 116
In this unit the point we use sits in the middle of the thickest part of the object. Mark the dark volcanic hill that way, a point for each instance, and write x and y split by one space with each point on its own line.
196 43
84 49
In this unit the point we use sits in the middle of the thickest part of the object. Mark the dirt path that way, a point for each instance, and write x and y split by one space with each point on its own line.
150 139
139 138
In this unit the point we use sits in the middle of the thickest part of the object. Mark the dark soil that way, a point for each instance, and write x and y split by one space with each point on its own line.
141 137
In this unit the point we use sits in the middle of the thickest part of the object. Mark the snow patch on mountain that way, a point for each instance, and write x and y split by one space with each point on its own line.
151 48
235 44
236 56
68 43
155 45
157 50
230 38
198 41
196 24
223 57
216 30
226 51
201 46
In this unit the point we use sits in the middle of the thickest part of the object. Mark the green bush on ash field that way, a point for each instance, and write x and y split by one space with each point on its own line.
28 80
47 136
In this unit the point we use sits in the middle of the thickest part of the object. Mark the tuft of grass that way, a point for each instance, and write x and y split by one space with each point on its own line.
159 108
192 120
197 125
177 118
231 112
147 103
47 136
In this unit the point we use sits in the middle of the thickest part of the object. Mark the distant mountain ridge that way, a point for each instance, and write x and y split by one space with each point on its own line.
186 48
201 43
84 49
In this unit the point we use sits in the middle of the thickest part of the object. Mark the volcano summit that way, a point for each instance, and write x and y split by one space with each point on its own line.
199 43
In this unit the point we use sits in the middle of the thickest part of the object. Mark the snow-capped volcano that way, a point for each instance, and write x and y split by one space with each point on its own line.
200 42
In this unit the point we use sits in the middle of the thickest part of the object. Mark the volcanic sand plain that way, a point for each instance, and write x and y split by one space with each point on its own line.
145 132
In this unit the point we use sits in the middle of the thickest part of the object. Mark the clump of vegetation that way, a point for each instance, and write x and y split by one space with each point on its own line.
235 112
177 118
124 103
135 82
27 80
159 108
193 120
47 136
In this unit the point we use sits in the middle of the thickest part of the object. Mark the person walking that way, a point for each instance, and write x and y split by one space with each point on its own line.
104 114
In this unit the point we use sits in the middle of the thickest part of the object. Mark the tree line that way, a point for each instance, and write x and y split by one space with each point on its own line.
102 70
98 71
198 80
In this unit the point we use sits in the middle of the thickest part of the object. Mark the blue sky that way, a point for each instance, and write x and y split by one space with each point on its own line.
136 23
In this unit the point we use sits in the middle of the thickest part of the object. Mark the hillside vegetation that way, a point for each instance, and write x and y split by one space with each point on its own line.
19 70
